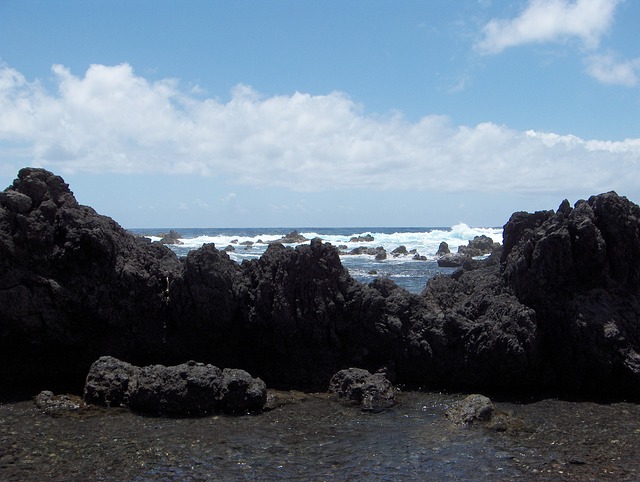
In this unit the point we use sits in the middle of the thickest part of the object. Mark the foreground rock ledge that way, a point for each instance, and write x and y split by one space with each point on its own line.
189 389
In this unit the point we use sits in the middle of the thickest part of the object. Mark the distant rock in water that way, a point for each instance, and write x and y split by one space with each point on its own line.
400 251
173 237
556 308
292 238
362 239
443 249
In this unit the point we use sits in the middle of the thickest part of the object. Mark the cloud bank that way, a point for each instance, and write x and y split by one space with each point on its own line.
112 120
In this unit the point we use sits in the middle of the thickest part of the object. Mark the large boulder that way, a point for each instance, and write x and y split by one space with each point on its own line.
186 389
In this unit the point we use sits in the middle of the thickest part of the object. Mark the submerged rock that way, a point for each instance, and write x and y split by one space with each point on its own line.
187 389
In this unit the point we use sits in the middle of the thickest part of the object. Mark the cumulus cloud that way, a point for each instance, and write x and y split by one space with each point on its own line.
112 120
550 20
608 69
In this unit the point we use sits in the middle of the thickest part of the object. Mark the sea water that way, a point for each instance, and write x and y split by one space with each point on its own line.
412 274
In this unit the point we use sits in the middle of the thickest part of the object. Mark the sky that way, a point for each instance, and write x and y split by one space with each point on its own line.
289 113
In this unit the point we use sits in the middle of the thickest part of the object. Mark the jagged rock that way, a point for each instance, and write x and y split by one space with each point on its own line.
247 243
372 392
579 269
73 285
474 408
187 389
229 249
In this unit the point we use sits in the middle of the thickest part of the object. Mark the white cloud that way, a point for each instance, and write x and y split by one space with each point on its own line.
550 20
111 120
608 69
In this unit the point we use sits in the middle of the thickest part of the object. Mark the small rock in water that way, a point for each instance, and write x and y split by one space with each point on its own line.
373 392
474 408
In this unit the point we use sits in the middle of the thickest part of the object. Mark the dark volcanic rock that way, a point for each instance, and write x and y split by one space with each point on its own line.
580 270
400 251
479 246
443 249
367 238
187 389
372 392
292 238
73 285
474 408
452 260
172 237
558 307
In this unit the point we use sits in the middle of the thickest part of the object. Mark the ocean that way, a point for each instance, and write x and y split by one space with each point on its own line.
407 272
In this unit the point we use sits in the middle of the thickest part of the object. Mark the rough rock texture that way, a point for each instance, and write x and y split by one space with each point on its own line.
479 246
372 392
557 308
579 269
73 285
56 404
474 408
187 389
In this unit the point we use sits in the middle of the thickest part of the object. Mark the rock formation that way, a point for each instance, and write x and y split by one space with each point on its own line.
557 308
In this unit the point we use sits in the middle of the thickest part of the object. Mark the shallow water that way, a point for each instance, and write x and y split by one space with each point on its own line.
315 438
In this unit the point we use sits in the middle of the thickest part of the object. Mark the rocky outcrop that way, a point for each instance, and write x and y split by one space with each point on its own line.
579 269
73 286
556 308
188 389
371 392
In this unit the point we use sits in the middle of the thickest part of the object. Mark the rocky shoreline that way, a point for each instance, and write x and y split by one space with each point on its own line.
555 309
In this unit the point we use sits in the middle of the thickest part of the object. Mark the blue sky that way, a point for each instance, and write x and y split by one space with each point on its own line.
334 113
